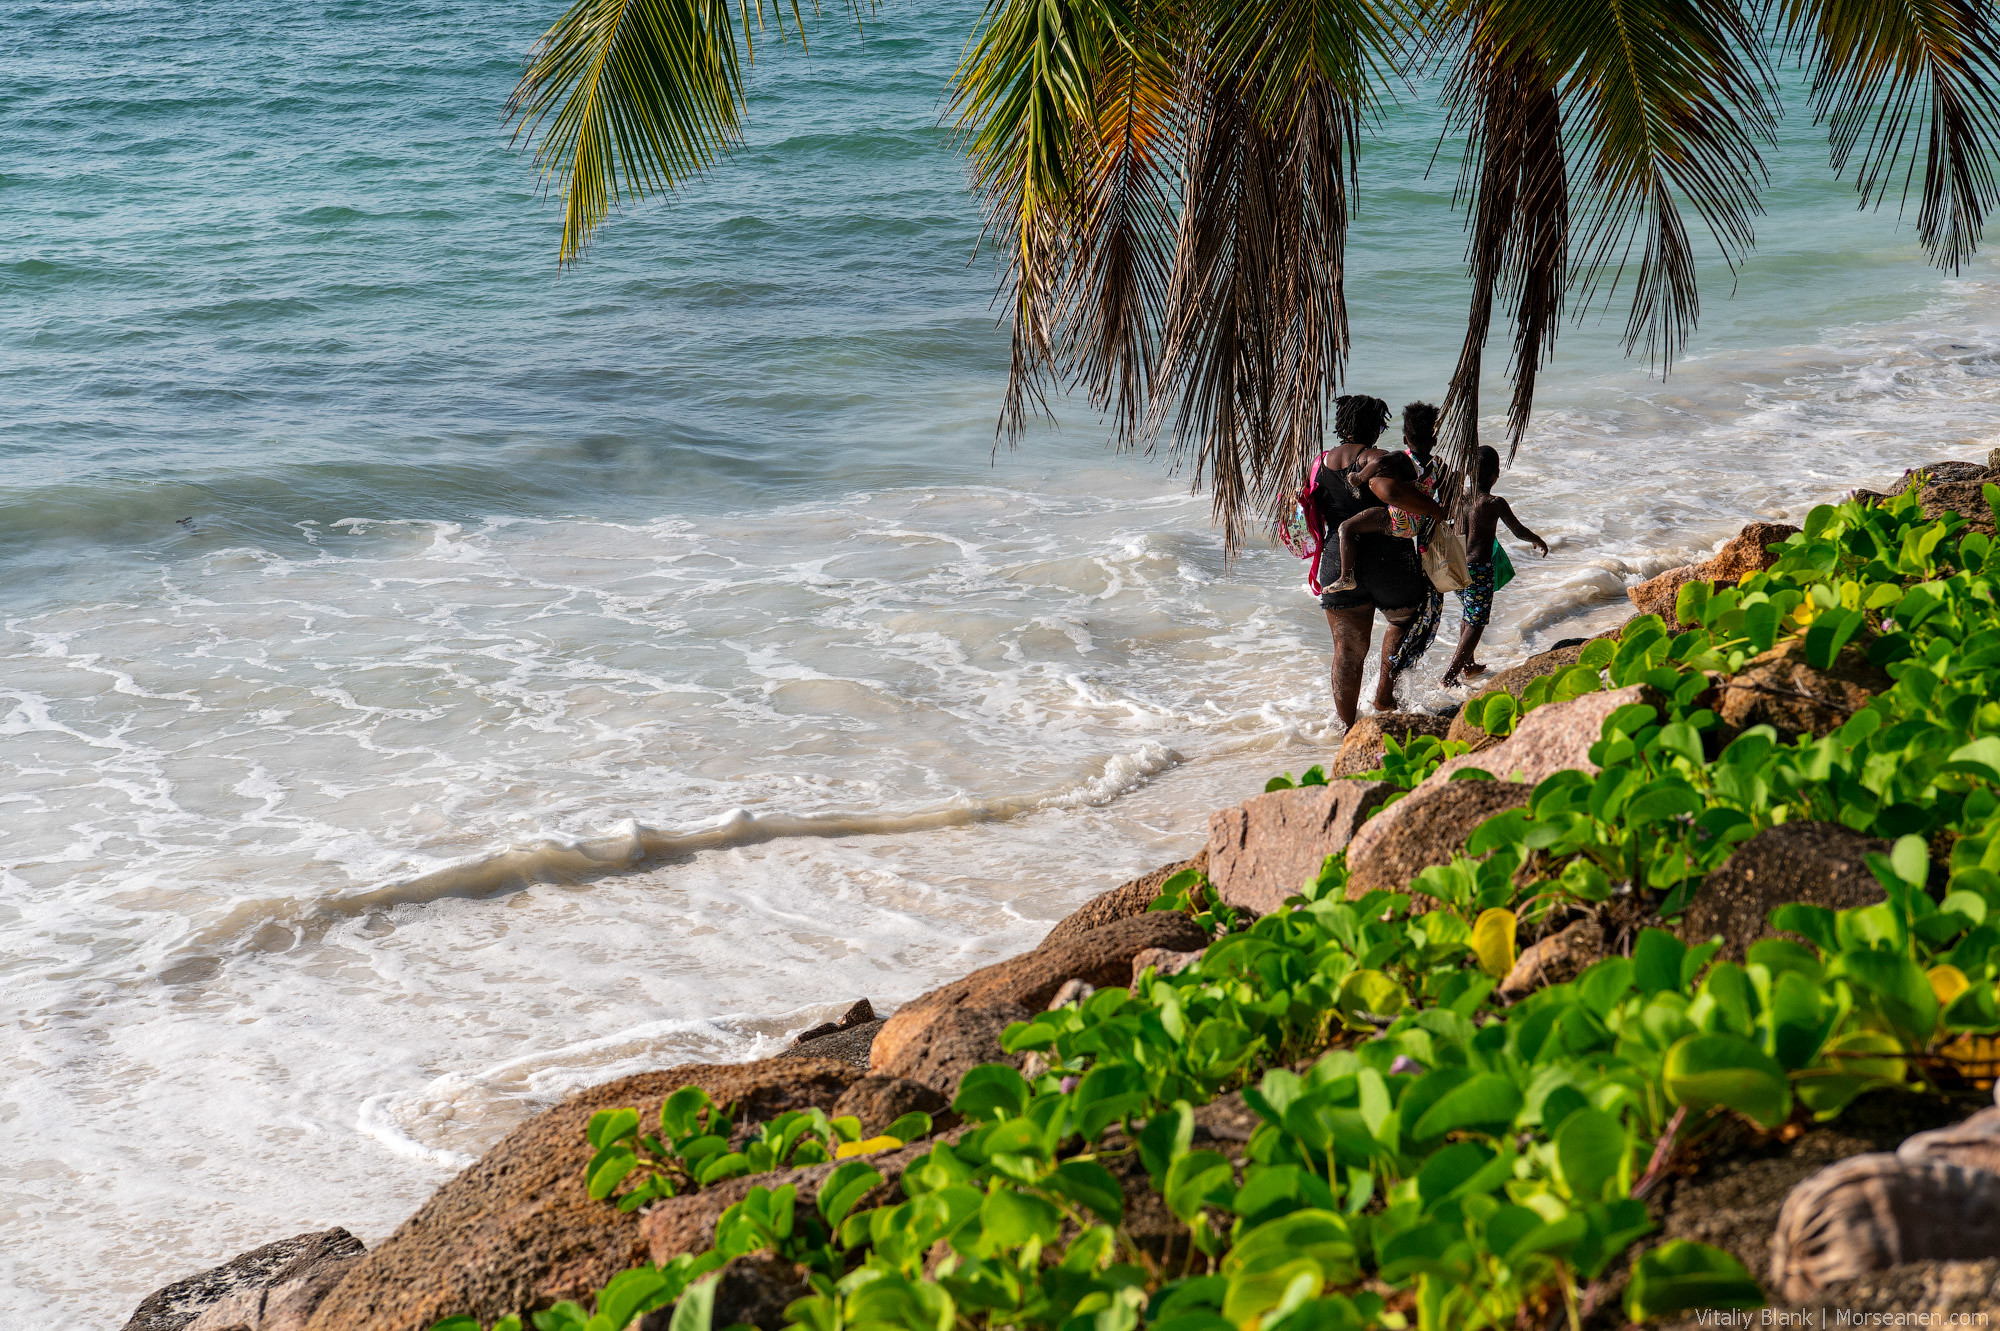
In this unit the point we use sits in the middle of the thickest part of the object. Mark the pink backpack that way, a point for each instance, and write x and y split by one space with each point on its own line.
1303 531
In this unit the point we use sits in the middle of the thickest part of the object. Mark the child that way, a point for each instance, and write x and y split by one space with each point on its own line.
1483 511
1378 520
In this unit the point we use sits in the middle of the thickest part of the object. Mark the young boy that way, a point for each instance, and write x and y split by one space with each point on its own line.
1482 512
1379 520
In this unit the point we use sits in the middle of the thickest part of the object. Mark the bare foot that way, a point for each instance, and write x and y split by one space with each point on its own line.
1346 584
1474 668
1449 682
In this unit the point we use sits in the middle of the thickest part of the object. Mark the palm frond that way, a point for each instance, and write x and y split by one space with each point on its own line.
1515 182
1665 101
628 97
1877 66
1256 331
1120 243
1218 359
1027 103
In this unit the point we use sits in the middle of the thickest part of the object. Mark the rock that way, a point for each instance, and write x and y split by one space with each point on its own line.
754 1290
1362 749
1553 737
286 1302
1513 680
1264 849
247 1277
1076 991
1973 1144
1946 471
516 1231
1819 864
1658 595
1122 902
1743 554
849 1045
1965 498
941 1045
880 1101
1163 961
1871 1212
1557 959
860 1014
1428 826
1100 957
1778 689
1747 552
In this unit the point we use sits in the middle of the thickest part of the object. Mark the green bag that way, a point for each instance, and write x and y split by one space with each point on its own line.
1503 567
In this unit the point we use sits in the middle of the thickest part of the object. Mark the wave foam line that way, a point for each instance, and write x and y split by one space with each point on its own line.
560 860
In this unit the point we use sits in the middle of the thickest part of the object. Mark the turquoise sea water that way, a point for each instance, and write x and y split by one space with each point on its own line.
431 681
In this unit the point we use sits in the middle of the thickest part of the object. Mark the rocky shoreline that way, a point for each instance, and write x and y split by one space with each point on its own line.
517 1230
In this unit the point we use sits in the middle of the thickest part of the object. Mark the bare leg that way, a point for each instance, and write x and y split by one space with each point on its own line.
1351 630
1385 681
1461 663
1369 520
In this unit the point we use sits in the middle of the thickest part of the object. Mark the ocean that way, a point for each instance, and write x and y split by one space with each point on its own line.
432 681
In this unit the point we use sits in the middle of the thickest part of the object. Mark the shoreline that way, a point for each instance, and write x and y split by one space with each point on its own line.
847 1045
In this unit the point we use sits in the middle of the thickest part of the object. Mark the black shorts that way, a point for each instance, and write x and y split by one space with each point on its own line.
1391 575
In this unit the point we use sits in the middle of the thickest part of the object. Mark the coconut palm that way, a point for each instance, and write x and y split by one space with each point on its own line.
1171 178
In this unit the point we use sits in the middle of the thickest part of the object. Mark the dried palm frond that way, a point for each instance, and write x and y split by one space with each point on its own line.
1516 185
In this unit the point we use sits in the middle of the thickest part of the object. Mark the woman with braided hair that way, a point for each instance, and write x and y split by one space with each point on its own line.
1387 575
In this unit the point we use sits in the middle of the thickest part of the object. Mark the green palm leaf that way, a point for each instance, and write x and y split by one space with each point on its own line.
1878 64
628 97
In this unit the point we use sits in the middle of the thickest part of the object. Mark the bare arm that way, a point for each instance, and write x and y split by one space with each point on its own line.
1405 496
1515 525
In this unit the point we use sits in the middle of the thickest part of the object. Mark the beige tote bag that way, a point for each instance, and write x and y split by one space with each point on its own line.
1445 562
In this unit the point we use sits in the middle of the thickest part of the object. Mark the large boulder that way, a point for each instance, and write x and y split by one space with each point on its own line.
1426 827
1965 498
1513 680
1123 901
1933 472
1819 864
284 1279
1554 737
938 1046
1743 554
286 1303
1366 740
1099 957
516 1231
1778 689
1263 850
1658 594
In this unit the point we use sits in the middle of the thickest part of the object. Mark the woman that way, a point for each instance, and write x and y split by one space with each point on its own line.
1388 575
